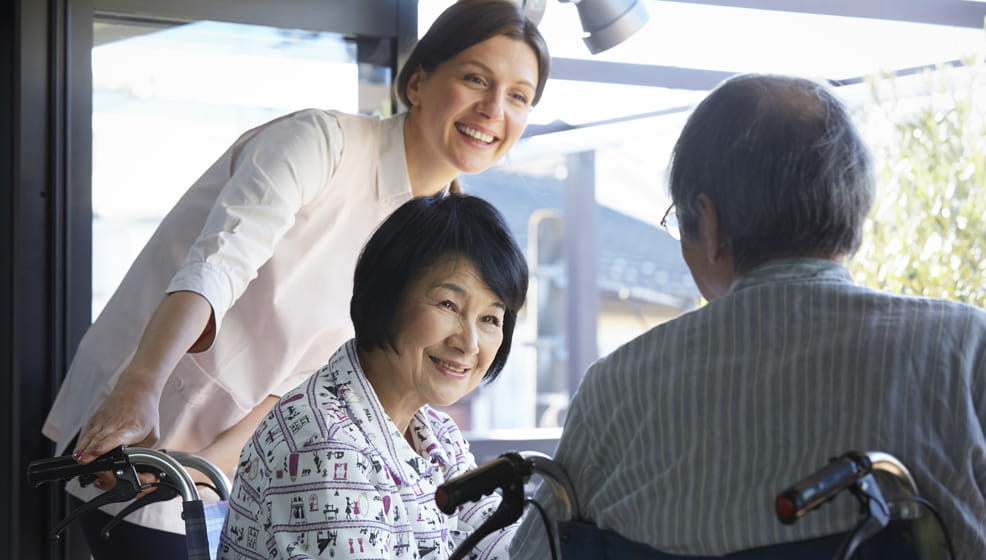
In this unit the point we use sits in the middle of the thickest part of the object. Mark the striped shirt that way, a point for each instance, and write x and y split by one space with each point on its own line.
682 438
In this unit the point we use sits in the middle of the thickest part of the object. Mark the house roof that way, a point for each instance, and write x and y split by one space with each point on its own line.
636 259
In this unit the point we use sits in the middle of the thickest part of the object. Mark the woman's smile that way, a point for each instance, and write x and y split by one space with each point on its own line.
450 368
476 133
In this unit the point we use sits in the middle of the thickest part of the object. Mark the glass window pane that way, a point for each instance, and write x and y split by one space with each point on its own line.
169 99
641 278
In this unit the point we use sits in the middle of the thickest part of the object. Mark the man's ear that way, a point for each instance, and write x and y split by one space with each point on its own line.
414 86
717 247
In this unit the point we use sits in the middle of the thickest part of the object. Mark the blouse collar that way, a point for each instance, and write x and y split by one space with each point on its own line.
408 465
393 179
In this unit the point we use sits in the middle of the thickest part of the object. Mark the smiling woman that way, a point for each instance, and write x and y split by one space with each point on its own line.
262 247
450 329
458 288
488 89
347 463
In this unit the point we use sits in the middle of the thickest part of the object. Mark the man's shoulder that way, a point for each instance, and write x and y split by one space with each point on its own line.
646 347
666 332
934 309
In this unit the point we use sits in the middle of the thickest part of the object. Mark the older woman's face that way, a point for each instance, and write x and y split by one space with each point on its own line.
449 330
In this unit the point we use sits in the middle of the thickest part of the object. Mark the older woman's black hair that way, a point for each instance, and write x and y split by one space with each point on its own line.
421 233
784 165
464 24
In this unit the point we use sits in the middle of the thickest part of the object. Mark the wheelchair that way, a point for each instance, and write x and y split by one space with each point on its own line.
901 526
202 522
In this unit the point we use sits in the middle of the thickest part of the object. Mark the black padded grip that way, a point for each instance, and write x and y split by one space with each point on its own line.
479 482
65 467
821 486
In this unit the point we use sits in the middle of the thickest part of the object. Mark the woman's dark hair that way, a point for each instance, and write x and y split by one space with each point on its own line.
423 232
783 163
464 24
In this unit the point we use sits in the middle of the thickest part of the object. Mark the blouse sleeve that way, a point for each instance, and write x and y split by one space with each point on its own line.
274 172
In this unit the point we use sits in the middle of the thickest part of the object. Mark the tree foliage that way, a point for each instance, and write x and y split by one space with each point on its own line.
926 234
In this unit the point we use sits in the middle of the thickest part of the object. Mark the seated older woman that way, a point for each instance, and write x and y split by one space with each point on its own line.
346 465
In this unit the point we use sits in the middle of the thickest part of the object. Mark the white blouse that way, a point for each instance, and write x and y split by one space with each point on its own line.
269 235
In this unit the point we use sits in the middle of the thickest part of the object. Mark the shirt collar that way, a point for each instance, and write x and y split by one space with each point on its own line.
393 180
793 270
405 464
428 441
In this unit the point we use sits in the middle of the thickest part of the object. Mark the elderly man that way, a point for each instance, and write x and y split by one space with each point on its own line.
682 438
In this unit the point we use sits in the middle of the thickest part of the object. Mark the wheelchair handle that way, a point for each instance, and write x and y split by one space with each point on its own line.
561 486
481 481
885 462
65 467
509 472
121 462
168 466
841 473
218 478
509 468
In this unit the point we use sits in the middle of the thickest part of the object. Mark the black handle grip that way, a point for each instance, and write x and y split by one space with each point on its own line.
479 482
65 467
821 486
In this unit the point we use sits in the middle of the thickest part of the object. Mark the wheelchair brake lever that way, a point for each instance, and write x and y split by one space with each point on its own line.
875 515
510 509
164 492
126 488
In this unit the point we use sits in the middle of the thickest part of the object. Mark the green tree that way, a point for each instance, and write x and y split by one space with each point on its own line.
926 234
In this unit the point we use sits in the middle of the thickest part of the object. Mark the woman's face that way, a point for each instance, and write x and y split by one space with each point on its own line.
472 108
449 330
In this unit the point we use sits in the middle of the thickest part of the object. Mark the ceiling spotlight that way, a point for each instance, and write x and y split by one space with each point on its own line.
533 9
608 23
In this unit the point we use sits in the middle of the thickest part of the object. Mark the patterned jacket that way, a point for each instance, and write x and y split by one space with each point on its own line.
328 475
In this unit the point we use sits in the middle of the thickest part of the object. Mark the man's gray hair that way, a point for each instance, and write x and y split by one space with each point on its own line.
783 163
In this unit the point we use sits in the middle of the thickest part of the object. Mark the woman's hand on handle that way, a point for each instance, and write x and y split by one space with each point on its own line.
129 416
